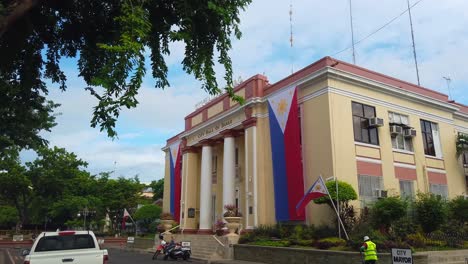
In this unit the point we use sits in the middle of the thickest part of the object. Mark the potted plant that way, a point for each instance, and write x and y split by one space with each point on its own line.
219 225
233 218
167 221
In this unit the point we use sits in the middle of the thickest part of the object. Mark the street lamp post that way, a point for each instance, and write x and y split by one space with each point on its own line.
85 212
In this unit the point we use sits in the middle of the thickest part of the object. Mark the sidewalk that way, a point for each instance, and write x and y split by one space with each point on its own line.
151 251
233 261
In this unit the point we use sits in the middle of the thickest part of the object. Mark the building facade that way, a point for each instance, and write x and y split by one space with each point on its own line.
381 135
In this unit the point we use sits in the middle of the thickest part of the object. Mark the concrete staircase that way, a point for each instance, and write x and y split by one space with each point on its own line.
206 247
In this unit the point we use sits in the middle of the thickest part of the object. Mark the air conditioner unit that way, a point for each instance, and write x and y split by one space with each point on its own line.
396 130
409 132
376 122
381 193
466 197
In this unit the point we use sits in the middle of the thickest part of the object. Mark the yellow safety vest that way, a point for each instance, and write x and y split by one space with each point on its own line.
370 253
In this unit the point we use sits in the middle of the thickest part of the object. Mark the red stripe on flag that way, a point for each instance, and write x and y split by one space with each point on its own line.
292 149
178 183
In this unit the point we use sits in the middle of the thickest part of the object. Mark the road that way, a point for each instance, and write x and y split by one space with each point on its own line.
117 256
10 255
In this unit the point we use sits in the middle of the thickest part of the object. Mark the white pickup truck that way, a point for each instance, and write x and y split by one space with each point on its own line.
69 247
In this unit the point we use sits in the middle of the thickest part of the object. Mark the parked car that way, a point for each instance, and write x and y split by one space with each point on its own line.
66 247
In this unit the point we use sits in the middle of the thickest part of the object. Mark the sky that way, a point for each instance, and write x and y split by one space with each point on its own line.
320 28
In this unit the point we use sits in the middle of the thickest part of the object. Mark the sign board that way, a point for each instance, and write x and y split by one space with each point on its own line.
17 237
402 255
185 245
131 240
191 213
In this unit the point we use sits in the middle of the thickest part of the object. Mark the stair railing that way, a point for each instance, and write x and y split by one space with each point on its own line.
170 229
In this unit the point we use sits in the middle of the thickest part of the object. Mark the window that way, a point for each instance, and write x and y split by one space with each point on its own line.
406 189
439 189
465 159
368 186
53 243
214 169
237 157
431 141
400 141
362 131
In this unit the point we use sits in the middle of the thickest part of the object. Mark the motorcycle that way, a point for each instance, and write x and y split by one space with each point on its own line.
159 250
177 250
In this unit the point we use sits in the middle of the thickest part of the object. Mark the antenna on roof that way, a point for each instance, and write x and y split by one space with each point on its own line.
352 30
448 80
291 36
414 46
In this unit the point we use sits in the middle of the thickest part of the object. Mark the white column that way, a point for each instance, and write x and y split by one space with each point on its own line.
229 171
205 188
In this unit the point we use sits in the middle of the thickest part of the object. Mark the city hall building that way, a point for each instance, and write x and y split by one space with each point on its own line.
383 136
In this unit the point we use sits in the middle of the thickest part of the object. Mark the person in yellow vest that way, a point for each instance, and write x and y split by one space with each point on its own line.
370 251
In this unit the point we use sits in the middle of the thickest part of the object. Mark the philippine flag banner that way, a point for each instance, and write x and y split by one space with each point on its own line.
124 218
286 153
317 190
176 179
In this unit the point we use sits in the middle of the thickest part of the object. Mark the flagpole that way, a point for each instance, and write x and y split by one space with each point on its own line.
337 214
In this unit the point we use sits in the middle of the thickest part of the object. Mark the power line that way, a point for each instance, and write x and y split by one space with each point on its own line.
377 30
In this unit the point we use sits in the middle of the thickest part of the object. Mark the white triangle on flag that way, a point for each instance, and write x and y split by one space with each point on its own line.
280 103
174 150
126 214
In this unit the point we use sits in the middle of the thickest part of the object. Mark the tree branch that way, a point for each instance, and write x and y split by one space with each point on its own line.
15 11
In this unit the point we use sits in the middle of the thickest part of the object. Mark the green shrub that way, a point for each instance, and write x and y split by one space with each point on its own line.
431 211
326 243
401 228
303 242
458 209
246 238
387 210
416 240
271 243
324 231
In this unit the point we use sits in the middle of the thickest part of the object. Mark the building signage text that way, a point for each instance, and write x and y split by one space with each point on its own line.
401 255
214 128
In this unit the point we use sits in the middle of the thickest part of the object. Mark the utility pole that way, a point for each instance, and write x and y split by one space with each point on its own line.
291 36
414 46
448 80
352 30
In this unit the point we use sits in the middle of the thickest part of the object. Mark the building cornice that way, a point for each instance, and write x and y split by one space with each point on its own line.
389 89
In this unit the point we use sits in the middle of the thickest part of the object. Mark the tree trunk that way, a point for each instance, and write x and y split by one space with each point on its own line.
14 12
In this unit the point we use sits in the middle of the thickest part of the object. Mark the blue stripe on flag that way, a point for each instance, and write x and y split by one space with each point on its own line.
279 168
172 183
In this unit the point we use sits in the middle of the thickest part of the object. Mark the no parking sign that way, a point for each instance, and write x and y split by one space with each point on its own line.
402 256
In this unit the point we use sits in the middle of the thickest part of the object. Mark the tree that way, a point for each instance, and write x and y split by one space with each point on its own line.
458 210
110 39
15 186
158 189
346 193
431 211
386 211
147 214
8 216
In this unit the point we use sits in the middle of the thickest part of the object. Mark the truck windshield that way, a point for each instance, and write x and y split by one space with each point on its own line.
52 243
